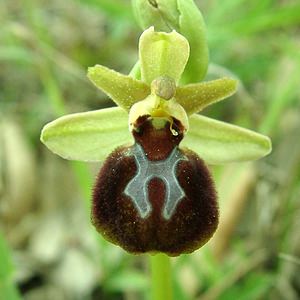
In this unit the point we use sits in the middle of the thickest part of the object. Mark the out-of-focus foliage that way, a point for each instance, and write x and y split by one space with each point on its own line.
45 49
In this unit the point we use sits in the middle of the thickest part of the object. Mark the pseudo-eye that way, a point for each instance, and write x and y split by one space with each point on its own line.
154 196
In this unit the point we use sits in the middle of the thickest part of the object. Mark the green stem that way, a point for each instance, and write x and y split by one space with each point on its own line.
161 282
8 289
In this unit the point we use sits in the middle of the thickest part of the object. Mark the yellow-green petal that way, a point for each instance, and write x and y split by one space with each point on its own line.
196 96
217 142
88 136
162 54
122 89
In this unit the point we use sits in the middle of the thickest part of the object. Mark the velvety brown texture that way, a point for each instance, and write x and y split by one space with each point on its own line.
116 218
157 144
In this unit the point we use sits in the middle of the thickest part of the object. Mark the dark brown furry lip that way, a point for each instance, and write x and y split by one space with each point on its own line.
116 217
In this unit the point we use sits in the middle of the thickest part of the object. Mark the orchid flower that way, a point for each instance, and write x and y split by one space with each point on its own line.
154 192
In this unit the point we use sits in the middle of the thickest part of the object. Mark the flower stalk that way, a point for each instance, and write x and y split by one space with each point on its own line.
161 277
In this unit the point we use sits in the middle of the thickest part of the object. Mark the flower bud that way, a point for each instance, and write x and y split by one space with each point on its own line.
184 17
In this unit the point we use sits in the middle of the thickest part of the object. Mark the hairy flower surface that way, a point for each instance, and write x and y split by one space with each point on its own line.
154 192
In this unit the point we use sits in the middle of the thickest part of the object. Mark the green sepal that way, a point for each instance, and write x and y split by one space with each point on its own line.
217 142
88 136
124 90
196 96
162 54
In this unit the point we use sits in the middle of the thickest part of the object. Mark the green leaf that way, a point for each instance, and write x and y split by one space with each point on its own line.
276 17
122 89
162 54
88 136
16 53
195 97
6 266
8 290
127 281
253 286
116 9
217 142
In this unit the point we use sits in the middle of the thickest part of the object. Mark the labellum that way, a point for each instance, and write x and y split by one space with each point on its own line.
154 196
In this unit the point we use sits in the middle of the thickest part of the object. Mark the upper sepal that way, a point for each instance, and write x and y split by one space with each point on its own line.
162 54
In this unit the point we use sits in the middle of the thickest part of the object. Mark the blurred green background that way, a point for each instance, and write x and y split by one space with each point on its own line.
49 250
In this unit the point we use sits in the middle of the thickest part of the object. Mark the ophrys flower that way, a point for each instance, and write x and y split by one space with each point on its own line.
152 194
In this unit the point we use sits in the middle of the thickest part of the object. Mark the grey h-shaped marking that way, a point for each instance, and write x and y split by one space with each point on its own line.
137 187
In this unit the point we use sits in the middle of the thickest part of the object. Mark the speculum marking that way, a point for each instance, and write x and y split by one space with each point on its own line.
137 188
